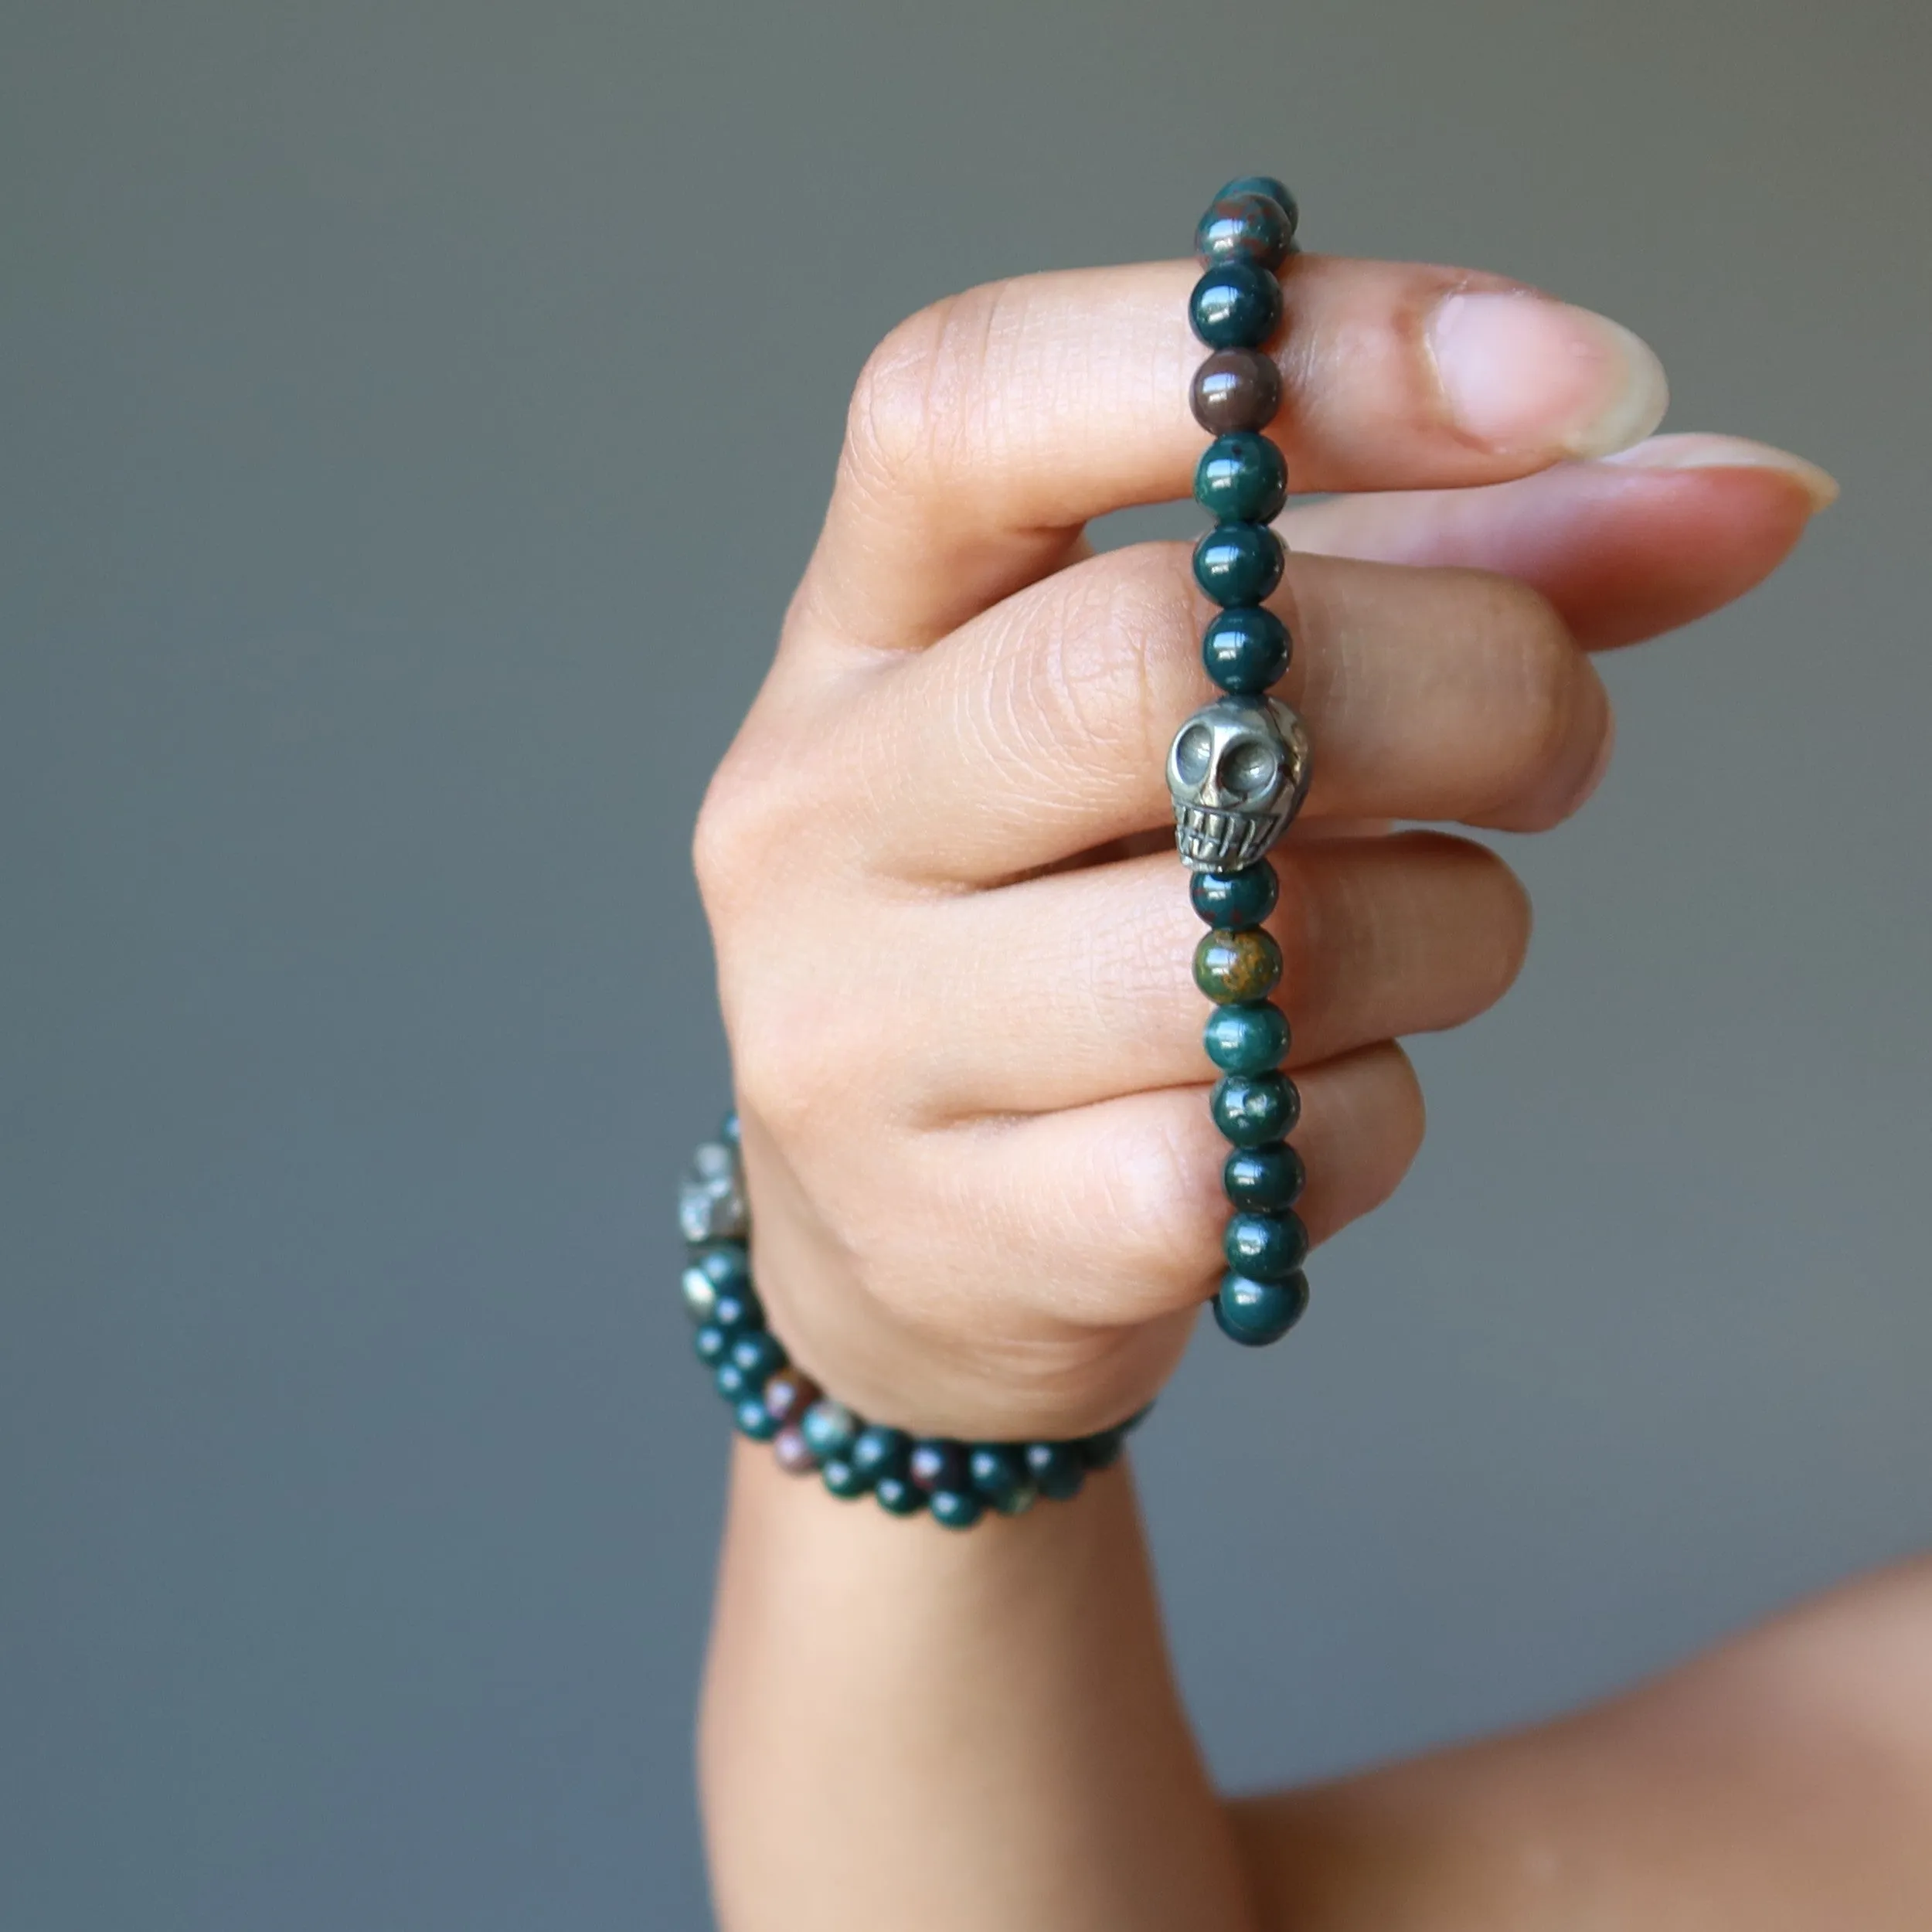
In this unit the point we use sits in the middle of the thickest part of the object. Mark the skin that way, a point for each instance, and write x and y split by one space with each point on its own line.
953 962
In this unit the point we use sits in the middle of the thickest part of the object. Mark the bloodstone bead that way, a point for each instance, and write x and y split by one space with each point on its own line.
789 1394
1246 1039
1264 1178
1102 1450
1233 968
1256 1313
879 1452
937 1462
1236 388
1235 305
1253 1108
738 1311
711 1270
1235 899
956 1508
903 1496
831 1428
794 1452
1058 1467
1241 479
997 1472
759 1356
1245 650
1019 1499
732 1383
754 1419
1276 191
842 1478
1244 228
1239 562
712 1344
1268 1247
700 1293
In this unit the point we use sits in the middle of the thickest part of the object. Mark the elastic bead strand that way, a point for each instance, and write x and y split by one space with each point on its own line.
1248 234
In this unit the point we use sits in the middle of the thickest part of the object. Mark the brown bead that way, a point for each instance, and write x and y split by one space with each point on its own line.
794 1452
788 1395
1235 968
1236 388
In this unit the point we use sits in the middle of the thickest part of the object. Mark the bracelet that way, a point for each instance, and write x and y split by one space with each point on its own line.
1238 768
773 1401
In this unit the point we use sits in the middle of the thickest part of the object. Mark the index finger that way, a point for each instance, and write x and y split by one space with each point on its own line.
988 429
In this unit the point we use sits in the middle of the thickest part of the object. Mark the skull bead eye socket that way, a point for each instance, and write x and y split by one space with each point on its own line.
1248 767
1191 752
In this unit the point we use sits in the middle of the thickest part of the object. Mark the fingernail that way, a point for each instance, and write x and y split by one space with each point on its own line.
1520 371
1705 452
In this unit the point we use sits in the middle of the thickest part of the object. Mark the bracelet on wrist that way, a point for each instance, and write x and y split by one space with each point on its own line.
772 1400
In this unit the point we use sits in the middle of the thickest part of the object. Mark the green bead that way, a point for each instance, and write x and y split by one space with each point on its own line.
1244 228
1266 1247
1058 1467
1239 562
1234 900
900 1496
1255 1313
1276 191
759 1356
1102 1450
830 1428
878 1452
1235 305
754 1419
1264 1178
1253 1108
717 1268
1234 968
956 1508
1241 479
732 1383
737 1311
712 1344
1246 1039
998 1472
843 1478
1244 650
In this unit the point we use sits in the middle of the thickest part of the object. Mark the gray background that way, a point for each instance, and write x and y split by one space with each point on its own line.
412 415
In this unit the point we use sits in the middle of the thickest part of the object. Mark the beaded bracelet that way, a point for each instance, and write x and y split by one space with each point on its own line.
771 1401
1238 768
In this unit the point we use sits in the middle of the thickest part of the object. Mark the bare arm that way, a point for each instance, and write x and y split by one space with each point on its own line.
904 1727
1782 1782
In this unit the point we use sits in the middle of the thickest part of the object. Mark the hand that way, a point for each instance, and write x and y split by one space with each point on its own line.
953 936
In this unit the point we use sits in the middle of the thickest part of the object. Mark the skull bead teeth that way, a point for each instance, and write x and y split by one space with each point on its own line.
1238 771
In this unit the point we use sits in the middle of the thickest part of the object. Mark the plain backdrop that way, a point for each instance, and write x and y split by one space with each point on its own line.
412 418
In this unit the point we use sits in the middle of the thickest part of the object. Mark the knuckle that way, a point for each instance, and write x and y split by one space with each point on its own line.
924 400
1407 1112
1089 683
728 836
1497 929
1546 679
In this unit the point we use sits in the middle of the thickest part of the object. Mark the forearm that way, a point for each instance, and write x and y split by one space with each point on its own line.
904 1727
